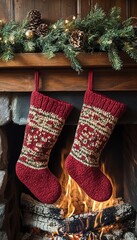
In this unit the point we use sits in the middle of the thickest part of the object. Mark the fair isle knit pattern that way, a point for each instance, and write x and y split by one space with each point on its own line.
43 133
94 128
45 122
97 120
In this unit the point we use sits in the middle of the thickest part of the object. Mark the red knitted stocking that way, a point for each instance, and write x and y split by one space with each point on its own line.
45 122
98 117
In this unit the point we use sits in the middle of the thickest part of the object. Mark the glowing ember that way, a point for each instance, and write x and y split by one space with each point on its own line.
75 201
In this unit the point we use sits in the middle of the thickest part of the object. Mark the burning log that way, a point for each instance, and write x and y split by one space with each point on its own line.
49 218
129 235
46 217
93 221
46 236
29 205
41 222
30 236
109 236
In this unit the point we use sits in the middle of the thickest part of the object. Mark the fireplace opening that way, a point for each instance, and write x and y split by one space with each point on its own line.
75 215
73 199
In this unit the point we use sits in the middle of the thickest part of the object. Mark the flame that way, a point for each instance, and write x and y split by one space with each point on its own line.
74 200
74 237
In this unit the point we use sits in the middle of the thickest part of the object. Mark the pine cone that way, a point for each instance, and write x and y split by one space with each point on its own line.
77 39
42 29
33 14
34 24
34 20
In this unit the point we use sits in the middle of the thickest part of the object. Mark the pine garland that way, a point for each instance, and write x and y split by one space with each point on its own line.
102 32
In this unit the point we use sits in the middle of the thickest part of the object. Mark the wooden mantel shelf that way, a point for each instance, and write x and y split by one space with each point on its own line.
56 73
39 60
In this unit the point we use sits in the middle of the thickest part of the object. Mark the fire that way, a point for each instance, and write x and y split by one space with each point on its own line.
74 200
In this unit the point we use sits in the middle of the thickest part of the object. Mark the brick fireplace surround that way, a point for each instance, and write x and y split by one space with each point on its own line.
57 79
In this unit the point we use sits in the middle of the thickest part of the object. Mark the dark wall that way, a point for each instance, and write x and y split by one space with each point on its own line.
54 10
130 164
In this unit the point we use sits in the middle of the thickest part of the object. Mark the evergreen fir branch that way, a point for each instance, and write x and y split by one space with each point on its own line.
8 54
8 29
50 50
101 32
114 58
49 45
115 13
93 20
19 36
21 29
13 34
29 46
128 22
107 39
113 20
92 42
92 38
53 36
130 50
96 14
58 41
71 55
126 32
54 41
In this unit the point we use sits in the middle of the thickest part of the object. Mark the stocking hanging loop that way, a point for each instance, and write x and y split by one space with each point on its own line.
90 80
36 78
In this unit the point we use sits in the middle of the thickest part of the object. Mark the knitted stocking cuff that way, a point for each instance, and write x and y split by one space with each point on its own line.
99 101
45 103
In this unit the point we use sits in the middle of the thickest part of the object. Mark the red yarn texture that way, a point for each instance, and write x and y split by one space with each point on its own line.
98 117
45 122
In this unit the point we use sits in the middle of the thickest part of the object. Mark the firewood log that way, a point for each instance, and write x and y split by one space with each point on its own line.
46 224
35 207
49 217
93 221
129 236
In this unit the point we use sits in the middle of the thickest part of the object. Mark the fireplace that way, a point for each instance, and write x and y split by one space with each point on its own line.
74 215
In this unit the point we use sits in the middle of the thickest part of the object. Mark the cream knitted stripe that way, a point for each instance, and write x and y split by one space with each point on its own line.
43 122
42 135
95 117
94 128
34 165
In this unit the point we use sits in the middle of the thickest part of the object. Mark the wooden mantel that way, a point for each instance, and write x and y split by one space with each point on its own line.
31 60
57 75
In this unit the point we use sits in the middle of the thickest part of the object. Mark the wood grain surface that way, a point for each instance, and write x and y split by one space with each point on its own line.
28 60
62 79
53 10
